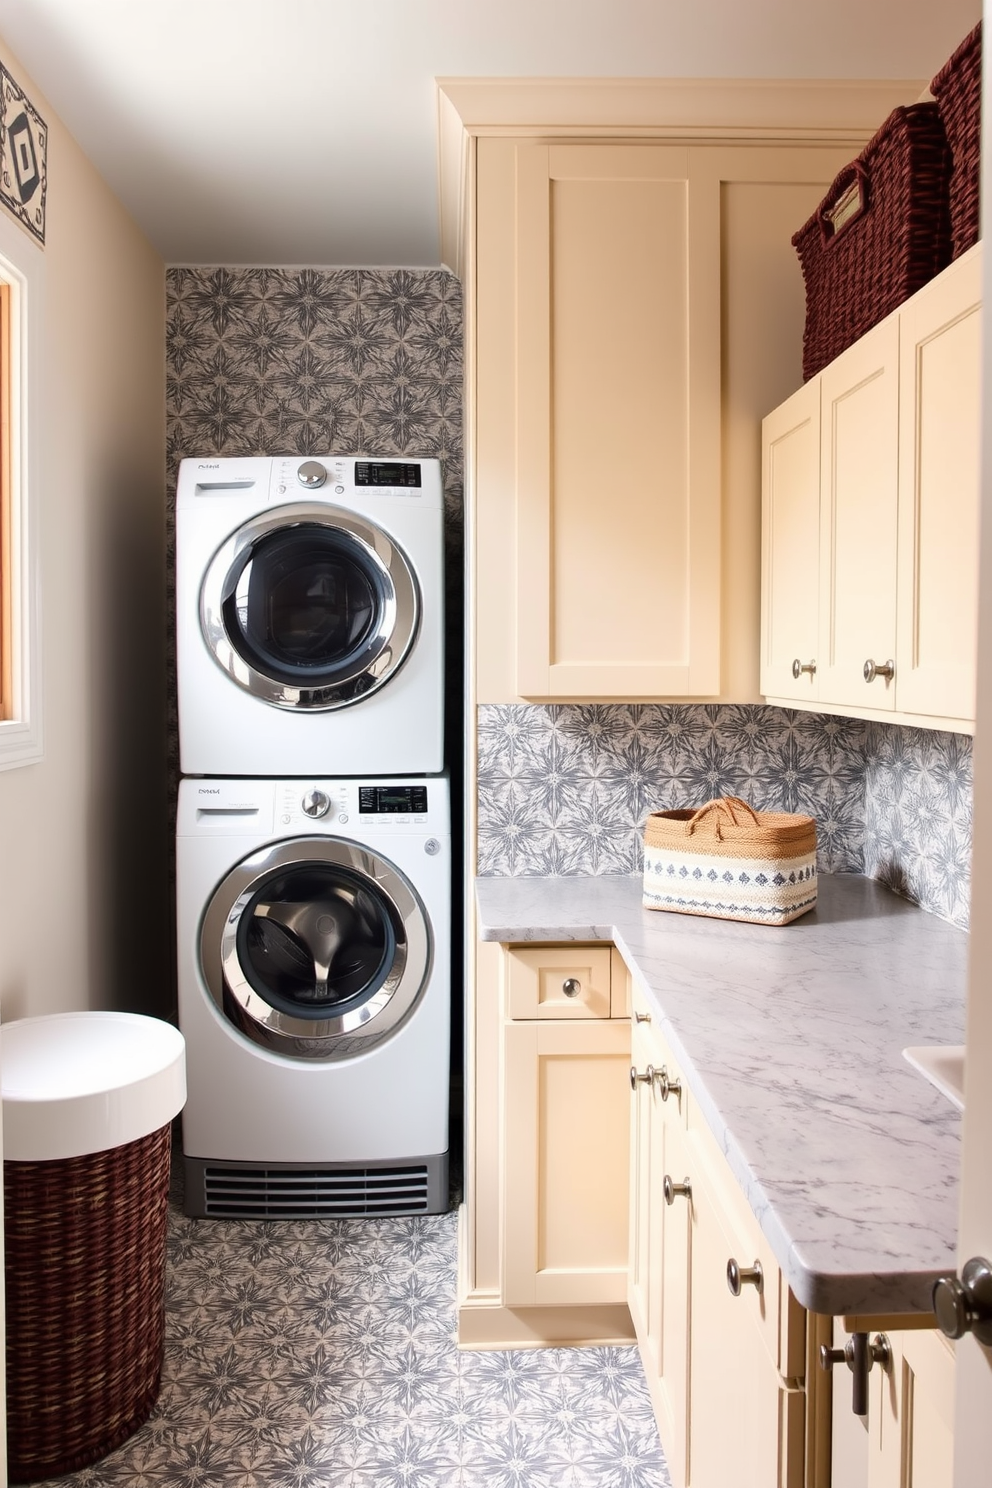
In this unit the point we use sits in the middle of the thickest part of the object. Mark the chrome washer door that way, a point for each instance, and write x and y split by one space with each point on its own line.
309 607
315 948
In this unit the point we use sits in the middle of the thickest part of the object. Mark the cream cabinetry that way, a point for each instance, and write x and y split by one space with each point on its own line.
565 1128
614 296
658 1271
632 299
870 519
907 1436
549 1149
725 1367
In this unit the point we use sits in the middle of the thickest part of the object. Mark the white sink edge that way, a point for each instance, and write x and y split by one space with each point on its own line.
943 1066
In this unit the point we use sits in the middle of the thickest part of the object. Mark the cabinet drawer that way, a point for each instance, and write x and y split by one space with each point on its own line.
537 978
773 1309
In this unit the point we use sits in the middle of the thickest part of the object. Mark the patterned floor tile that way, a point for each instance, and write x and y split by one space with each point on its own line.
309 1355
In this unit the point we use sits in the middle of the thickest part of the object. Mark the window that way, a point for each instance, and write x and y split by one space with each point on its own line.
21 275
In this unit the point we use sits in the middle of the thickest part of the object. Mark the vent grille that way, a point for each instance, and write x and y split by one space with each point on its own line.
300 1193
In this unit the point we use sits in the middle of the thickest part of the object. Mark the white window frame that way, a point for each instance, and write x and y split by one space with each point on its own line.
22 269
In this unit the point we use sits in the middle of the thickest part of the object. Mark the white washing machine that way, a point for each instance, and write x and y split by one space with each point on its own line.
309 616
315 995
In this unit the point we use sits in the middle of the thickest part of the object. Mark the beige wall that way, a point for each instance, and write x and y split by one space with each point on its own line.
84 918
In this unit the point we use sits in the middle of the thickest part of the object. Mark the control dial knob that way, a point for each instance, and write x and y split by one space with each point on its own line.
315 803
311 474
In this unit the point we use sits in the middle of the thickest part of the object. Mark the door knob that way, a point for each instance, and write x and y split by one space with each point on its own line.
668 1085
965 1306
739 1276
886 669
859 1355
798 667
674 1190
646 1079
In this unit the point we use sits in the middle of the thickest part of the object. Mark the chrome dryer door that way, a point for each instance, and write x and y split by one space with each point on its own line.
309 607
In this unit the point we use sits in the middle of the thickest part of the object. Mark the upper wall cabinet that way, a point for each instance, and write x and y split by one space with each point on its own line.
609 297
633 299
634 307
870 519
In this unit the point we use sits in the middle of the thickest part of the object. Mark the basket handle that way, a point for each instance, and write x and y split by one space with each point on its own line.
727 806
846 201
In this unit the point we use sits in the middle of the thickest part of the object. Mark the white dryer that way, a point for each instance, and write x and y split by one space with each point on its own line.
315 995
309 616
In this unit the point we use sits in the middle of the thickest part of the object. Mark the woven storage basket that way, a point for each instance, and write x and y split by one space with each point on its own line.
881 232
85 1279
958 91
731 862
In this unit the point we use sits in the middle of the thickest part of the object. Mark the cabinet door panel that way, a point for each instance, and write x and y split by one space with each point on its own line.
911 1414
790 535
859 409
566 1133
940 426
746 1423
610 264
658 1285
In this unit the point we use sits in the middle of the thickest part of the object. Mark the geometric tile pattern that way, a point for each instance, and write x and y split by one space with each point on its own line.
565 788
321 1354
918 807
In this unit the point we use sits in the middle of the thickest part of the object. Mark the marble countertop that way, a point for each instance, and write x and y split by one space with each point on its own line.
790 1039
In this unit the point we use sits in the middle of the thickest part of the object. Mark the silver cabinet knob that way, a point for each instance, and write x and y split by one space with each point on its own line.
571 986
642 1017
886 669
798 667
673 1190
311 474
668 1085
316 803
859 1355
646 1079
741 1276
965 1306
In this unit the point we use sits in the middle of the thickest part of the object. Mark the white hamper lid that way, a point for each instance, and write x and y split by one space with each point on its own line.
74 1083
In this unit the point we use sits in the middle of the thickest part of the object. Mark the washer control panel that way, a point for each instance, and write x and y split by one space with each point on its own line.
344 475
335 803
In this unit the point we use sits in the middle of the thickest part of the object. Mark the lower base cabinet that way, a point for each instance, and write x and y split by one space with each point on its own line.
565 1128
907 1438
598 1188
725 1367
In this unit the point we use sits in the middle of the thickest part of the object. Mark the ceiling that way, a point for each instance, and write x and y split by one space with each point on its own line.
304 131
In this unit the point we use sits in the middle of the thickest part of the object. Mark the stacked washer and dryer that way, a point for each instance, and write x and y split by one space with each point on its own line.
313 848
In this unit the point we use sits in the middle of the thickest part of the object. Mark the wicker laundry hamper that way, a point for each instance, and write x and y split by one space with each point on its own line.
732 862
85 1238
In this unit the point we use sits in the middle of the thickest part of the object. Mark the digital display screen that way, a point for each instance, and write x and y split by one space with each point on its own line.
386 473
396 800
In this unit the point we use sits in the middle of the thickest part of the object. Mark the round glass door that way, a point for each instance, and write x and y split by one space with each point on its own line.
309 607
316 948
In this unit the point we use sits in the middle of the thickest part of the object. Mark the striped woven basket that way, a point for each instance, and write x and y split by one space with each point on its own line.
730 861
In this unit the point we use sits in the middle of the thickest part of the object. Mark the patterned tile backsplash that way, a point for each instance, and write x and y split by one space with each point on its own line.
565 788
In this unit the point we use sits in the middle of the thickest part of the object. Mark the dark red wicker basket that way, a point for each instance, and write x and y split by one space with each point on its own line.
85 1279
958 91
880 233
